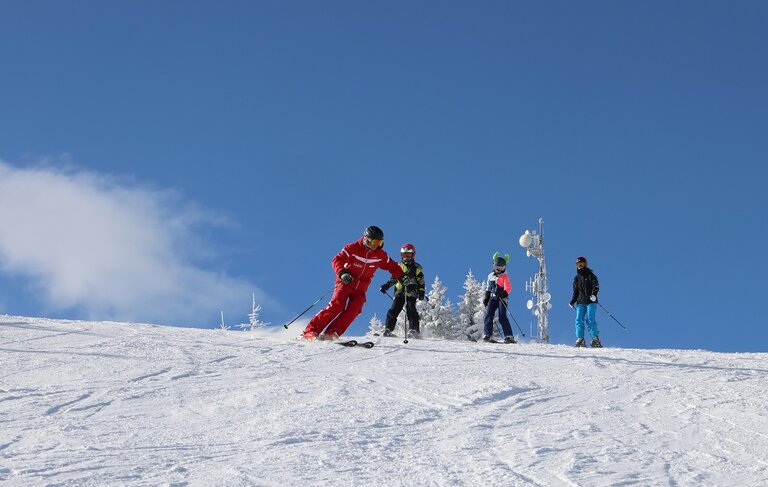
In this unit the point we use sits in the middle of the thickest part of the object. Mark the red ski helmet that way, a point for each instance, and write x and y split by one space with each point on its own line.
407 251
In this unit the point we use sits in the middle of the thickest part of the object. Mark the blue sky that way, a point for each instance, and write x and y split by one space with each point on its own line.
163 160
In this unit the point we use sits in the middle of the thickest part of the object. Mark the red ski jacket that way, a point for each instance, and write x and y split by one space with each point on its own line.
495 282
503 282
362 263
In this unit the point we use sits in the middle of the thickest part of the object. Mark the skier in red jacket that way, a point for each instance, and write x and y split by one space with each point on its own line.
354 267
497 289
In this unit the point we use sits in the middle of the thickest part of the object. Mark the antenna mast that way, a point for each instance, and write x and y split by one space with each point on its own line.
540 304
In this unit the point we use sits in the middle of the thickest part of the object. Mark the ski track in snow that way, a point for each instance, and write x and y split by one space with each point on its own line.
99 403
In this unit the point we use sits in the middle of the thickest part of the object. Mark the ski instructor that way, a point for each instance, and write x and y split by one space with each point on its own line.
354 267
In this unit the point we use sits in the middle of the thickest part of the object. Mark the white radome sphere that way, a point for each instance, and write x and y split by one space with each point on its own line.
525 239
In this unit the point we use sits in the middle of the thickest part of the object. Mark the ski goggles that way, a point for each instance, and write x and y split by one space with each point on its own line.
581 263
374 243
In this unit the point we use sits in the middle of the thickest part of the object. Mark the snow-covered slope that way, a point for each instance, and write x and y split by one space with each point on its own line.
87 403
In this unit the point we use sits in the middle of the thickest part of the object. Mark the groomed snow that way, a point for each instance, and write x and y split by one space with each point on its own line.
94 403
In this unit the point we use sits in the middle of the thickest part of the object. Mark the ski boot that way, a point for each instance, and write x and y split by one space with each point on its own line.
387 333
596 343
509 339
329 336
580 343
309 335
487 338
414 334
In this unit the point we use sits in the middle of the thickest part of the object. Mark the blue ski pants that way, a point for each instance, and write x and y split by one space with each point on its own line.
586 312
494 304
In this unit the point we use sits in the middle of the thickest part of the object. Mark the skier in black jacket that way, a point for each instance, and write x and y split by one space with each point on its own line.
407 289
584 299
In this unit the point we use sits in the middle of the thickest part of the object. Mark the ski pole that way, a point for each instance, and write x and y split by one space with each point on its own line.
407 322
310 306
506 309
614 318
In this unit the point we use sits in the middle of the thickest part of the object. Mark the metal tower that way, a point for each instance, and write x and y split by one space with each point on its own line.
537 286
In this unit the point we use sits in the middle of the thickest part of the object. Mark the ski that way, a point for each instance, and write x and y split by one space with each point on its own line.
500 342
355 343
346 343
397 336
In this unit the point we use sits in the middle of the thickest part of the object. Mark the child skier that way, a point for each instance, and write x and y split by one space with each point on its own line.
407 290
497 289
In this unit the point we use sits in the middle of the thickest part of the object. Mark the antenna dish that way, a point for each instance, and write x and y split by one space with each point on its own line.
541 303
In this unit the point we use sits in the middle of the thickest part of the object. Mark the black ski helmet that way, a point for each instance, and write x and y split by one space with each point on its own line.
581 258
500 264
374 233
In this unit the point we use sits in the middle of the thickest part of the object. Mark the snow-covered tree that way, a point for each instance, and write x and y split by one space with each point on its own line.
253 317
376 326
469 319
437 313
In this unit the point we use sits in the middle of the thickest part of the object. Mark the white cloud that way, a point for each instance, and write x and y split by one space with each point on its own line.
90 243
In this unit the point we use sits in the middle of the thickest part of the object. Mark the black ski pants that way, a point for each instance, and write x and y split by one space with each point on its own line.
410 310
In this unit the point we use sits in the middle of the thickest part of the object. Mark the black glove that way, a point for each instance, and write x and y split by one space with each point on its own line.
501 293
421 296
345 276
571 304
385 287
486 298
